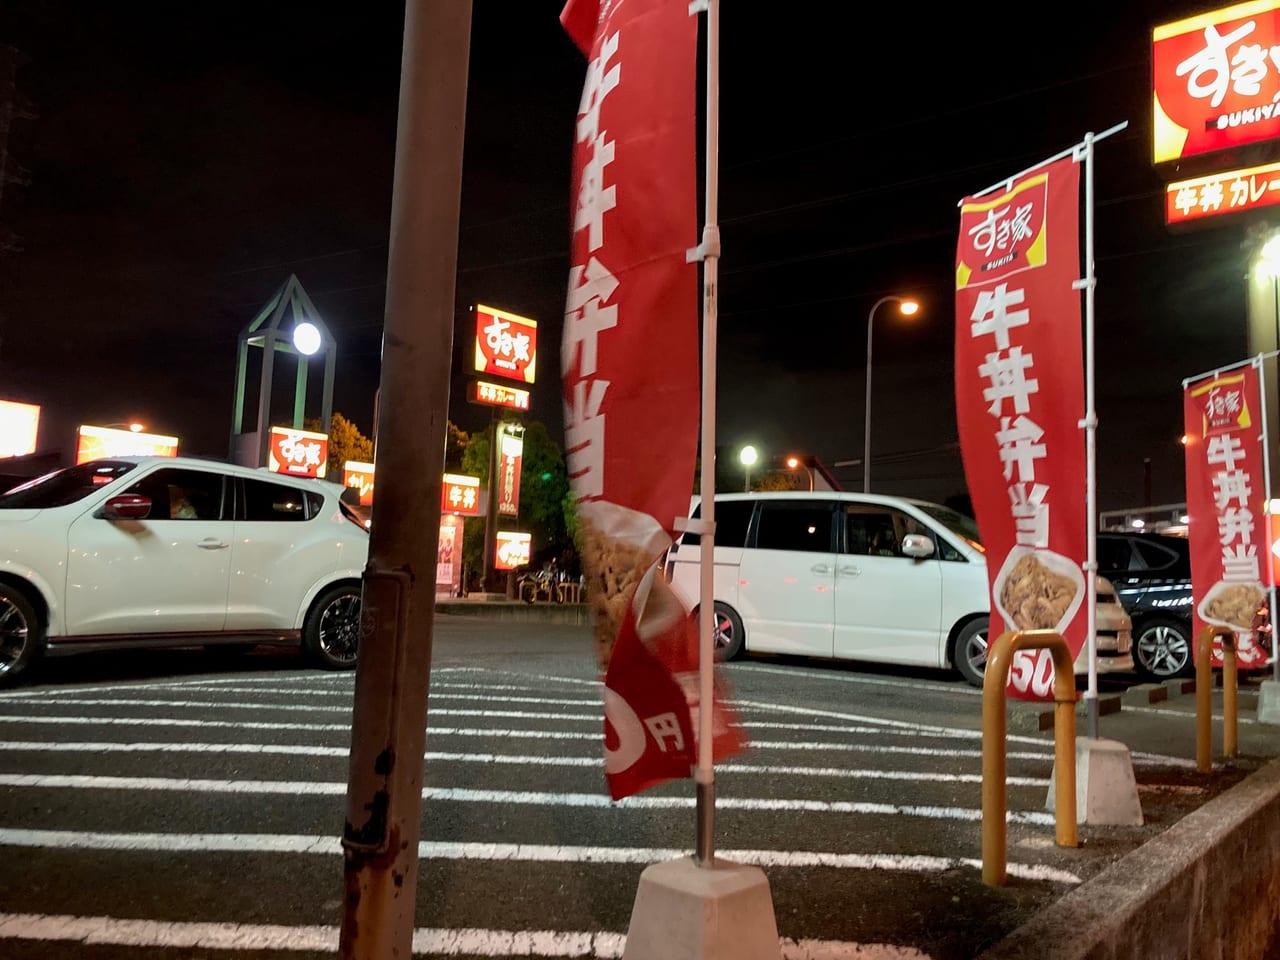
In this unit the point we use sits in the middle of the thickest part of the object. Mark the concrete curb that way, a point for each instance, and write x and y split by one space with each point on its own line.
578 614
1209 886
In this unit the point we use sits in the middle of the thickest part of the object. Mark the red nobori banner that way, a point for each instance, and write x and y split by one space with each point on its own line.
1216 81
630 363
1225 496
510 452
1019 400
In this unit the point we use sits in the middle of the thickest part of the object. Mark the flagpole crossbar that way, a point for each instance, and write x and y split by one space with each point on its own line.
1218 371
1076 151
705 528
708 248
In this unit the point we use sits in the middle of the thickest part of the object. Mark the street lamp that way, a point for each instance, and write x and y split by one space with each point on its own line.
748 456
907 308
793 462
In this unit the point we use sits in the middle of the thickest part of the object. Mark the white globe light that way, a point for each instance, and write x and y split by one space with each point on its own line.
306 338
748 456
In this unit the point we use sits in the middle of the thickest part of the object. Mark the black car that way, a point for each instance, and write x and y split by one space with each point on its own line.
1152 576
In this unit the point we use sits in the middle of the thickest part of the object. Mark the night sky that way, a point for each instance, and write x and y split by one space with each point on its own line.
186 159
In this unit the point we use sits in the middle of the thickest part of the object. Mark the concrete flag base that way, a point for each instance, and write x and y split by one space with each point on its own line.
686 912
1106 792
1269 702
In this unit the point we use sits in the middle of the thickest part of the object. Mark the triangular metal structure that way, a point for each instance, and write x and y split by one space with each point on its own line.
272 330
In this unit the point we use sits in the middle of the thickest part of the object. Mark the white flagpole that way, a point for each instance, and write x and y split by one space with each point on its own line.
709 252
1266 479
1090 424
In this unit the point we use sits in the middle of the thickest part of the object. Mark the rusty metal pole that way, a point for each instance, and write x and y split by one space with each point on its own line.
388 735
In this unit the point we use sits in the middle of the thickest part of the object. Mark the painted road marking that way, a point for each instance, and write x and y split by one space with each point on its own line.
524 852
309 750
324 939
523 797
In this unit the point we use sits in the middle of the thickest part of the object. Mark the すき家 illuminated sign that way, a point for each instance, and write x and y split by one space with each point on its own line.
1216 80
299 453
506 345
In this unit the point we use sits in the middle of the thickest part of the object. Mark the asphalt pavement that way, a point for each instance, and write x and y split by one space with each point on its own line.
183 804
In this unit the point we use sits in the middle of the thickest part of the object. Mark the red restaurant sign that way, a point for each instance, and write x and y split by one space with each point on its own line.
506 345
1233 191
499 396
511 549
460 494
510 451
359 476
1019 398
1216 80
299 453
1225 496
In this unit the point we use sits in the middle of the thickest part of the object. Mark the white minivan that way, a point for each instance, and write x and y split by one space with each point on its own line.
860 577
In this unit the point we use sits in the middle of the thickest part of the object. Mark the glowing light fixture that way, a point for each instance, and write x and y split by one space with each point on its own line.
306 338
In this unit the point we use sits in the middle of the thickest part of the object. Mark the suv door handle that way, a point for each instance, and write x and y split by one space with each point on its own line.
850 571
211 543
820 568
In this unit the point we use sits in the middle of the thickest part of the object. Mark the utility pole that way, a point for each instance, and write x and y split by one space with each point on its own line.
388 734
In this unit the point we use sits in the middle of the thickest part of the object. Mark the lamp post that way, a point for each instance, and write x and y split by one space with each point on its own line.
907 308
748 456
793 462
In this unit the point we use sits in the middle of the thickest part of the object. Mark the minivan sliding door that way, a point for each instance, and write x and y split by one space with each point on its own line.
787 577
888 606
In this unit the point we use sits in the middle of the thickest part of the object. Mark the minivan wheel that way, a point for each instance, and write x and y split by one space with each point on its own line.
969 652
1162 650
331 632
728 633
21 633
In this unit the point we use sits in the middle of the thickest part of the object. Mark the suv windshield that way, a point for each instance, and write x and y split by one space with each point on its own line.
64 486
964 527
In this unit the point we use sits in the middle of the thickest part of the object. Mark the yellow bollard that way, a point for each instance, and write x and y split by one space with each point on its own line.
1204 695
994 733
1230 705
1204 700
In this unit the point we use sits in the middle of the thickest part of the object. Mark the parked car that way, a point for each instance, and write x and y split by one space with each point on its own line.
157 551
859 576
1152 574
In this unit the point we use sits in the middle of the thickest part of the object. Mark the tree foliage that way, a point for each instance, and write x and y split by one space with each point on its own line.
346 442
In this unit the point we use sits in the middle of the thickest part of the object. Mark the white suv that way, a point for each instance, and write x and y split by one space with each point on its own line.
162 551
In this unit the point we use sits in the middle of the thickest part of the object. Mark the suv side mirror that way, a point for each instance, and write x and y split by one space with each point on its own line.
917 545
127 506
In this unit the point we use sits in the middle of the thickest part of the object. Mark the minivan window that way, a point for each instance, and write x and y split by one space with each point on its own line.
64 486
964 527
872 530
732 519
801 525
